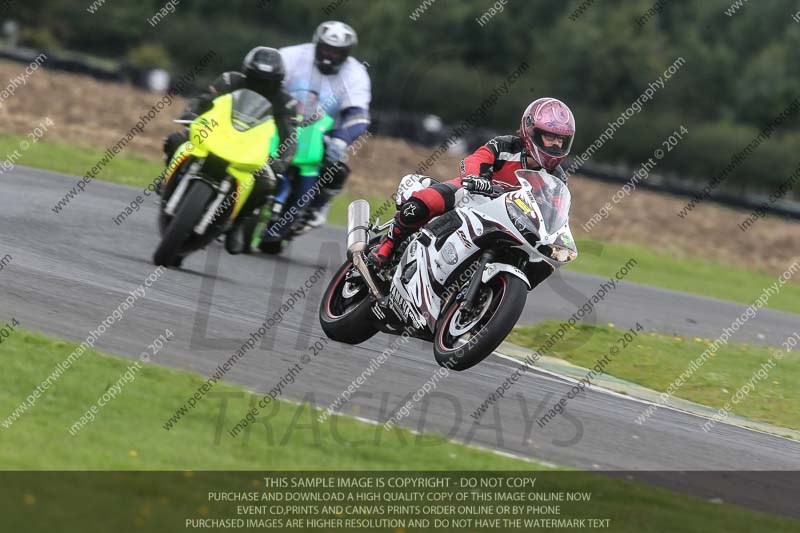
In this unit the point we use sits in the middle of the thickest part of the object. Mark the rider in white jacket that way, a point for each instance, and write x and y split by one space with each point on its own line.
343 88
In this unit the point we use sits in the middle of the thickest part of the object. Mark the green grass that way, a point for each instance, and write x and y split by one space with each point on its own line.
128 435
687 274
126 168
655 360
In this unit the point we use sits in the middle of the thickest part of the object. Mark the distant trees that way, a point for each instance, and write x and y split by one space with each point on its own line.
740 72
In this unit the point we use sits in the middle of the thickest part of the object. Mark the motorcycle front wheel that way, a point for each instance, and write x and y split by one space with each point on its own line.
464 339
192 207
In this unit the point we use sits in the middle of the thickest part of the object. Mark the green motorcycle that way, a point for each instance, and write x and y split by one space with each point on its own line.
282 217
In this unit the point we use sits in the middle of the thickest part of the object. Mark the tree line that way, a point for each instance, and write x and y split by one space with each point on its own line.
740 68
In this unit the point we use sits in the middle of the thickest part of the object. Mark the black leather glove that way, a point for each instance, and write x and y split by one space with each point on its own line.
172 142
278 166
477 184
198 106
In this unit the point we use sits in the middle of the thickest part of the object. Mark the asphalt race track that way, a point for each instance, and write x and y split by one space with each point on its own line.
70 270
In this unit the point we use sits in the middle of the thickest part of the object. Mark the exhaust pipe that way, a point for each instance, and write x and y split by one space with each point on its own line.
357 228
358 241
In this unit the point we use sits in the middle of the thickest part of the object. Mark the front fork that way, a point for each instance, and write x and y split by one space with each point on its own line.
475 283
222 189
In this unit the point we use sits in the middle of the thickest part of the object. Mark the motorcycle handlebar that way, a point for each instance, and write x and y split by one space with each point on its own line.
496 192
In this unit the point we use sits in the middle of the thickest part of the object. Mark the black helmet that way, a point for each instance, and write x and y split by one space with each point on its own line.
334 41
264 70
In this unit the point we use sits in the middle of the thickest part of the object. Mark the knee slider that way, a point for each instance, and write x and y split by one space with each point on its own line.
413 212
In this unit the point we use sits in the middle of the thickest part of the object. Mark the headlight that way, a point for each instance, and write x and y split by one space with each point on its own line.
523 218
561 254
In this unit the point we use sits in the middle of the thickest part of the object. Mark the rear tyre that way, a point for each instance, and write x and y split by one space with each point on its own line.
180 228
463 340
344 312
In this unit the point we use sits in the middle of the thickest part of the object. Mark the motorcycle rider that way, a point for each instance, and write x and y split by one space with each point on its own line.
263 71
543 140
326 68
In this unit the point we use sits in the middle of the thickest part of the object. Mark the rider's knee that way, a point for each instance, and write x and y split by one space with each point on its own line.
173 141
436 199
414 212
447 191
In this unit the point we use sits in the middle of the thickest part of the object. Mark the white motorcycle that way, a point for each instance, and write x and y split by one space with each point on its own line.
461 281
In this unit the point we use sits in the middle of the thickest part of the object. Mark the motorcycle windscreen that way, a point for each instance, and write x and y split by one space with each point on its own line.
249 109
244 135
551 195
314 123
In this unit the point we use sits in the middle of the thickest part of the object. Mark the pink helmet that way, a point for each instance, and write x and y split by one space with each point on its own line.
547 115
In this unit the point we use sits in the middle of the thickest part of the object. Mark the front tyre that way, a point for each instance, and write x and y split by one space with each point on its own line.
271 247
462 340
344 312
192 207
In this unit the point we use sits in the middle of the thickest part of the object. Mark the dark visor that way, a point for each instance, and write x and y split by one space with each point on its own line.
336 55
554 150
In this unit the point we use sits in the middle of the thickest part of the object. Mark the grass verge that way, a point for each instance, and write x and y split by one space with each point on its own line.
654 360
127 168
127 434
693 275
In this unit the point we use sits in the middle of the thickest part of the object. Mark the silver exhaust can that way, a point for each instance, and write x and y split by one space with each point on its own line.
357 227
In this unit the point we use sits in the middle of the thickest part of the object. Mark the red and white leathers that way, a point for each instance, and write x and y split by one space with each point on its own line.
497 160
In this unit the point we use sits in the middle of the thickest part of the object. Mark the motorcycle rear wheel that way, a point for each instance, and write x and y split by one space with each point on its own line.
344 312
